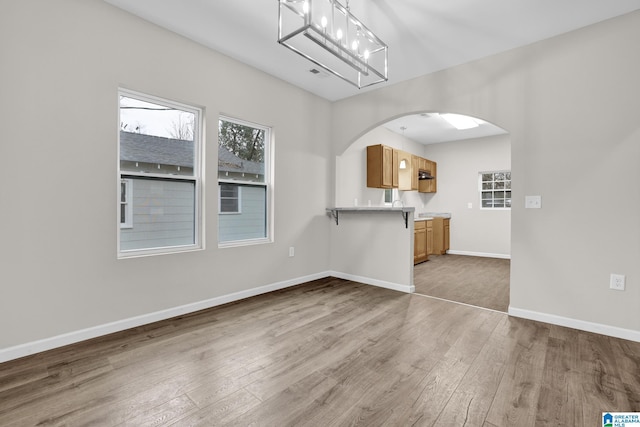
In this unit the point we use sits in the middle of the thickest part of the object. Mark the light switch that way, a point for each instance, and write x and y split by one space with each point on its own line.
533 202
469 205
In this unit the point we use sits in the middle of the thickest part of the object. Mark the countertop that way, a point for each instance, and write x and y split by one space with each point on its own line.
373 209
434 214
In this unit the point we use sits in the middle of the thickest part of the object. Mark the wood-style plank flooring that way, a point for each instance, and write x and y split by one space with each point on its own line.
478 281
328 353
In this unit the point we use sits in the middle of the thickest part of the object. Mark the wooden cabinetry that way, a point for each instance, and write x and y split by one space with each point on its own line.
428 185
382 167
441 228
420 242
383 170
429 237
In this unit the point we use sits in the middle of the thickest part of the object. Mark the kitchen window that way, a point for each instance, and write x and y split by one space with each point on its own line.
244 182
495 190
159 192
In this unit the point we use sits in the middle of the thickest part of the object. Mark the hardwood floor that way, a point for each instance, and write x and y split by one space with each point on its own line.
478 281
328 353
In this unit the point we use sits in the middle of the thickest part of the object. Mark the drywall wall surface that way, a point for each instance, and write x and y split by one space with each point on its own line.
571 107
62 65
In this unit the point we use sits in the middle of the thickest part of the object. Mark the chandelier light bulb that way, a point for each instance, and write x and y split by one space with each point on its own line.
366 54
339 34
305 7
354 45
323 22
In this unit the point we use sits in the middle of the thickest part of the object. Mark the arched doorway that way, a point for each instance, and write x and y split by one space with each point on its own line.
476 268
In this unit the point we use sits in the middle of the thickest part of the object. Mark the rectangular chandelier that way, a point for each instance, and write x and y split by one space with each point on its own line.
327 34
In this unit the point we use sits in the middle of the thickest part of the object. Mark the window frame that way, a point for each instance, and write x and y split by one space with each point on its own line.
197 178
267 184
493 190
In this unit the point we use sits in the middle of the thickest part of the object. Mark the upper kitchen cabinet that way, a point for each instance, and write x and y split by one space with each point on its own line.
391 168
382 167
428 182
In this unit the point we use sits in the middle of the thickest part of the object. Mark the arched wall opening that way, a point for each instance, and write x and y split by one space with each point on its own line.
461 155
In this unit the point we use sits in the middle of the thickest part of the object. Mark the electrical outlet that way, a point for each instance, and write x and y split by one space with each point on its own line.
617 282
292 251
470 205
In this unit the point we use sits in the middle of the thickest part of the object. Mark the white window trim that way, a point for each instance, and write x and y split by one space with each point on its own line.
268 183
480 191
128 212
197 178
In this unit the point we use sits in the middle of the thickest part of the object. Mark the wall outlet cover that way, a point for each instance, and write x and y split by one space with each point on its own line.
616 281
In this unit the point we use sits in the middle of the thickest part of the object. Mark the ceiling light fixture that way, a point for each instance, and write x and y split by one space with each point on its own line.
326 33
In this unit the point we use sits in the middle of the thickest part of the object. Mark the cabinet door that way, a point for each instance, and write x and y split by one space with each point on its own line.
446 234
415 163
394 167
380 167
419 245
387 167
429 238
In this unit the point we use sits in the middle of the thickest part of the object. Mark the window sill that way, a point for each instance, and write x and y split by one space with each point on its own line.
248 242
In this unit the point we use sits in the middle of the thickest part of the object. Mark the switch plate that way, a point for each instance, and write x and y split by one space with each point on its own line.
292 251
533 202
617 282
469 205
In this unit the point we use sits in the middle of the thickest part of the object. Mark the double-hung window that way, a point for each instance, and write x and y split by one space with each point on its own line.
244 184
160 197
495 190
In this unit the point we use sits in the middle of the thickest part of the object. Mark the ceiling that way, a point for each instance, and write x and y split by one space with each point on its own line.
423 35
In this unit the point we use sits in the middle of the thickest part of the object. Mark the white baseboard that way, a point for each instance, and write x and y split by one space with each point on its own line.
598 328
374 282
480 254
27 349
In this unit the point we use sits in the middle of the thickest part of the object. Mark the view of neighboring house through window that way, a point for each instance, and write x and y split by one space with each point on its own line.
495 190
243 182
159 172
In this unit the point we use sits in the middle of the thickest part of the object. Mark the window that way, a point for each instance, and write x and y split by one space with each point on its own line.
125 205
495 190
159 174
243 182
229 198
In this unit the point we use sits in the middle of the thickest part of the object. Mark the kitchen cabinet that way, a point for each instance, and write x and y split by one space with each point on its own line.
429 237
383 170
382 166
441 229
420 242
415 164
428 185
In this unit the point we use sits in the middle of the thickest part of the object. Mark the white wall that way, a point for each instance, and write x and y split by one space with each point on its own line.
571 106
62 64
475 231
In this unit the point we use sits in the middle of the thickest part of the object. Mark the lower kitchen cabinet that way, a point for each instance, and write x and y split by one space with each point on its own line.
422 241
440 235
